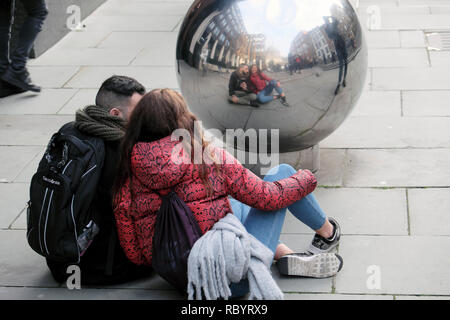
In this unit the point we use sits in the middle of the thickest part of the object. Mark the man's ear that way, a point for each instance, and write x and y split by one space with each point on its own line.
115 112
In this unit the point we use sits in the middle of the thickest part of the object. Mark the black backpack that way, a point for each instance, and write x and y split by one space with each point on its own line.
60 221
176 231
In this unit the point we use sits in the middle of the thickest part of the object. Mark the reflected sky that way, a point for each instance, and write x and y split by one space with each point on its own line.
281 20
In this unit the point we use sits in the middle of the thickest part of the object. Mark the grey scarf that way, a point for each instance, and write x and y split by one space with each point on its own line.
96 121
227 254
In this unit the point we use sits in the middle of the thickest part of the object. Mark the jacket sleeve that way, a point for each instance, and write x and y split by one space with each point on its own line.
245 186
263 75
232 84
126 228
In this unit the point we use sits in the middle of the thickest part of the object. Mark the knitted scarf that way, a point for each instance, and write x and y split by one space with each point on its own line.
227 254
96 121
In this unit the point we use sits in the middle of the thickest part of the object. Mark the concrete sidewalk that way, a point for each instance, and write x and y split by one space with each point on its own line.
385 174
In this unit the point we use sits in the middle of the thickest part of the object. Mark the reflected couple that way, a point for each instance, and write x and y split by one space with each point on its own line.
250 86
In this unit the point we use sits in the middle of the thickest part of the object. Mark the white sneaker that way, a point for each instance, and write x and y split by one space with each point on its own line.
322 265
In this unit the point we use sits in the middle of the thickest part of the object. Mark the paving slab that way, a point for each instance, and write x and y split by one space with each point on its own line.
140 40
320 296
82 98
414 21
30 169
412 39
52 76
82 39
359 211
137 23
13 199
397 262
378 103
433 78
14 293
390 132
14 159
382 39
440 59
139 8
150 77
87 57
381 3
30 130
426 103
422 297
390 8
20 266
153 282
332 164
421 2
49 101
397 168
163 55
440 9
20 223
384 58
429 211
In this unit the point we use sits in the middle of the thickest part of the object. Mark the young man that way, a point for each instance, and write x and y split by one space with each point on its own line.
239 87
13 66
104 261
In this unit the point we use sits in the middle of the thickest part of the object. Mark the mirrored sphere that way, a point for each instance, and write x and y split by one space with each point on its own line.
298 66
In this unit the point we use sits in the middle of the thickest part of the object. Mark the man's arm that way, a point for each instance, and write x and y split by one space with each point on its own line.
232 84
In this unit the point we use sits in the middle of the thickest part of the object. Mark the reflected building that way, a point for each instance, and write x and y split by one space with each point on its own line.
222 41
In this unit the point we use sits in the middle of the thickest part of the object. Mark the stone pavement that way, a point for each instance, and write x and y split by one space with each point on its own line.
385 174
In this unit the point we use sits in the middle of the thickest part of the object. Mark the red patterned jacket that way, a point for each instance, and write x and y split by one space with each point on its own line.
153 169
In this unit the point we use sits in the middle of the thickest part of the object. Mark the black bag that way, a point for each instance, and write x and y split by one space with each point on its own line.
176 231
60 220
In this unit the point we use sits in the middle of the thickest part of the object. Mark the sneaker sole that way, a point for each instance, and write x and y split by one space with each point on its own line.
316 266
19 84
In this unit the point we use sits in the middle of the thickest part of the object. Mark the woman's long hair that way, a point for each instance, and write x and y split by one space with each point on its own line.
258 70
158 114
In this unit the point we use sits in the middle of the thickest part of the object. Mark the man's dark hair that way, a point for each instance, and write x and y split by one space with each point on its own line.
116 92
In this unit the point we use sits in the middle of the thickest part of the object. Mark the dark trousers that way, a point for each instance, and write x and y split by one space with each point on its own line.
343 64
36 14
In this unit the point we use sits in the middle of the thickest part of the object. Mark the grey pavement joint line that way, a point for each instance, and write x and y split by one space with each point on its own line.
73 76
68 100
407 212
16 218
402 114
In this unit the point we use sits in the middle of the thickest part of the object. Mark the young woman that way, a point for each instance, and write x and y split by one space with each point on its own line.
148 167
264 86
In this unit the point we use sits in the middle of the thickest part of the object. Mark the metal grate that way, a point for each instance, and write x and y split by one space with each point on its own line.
439 41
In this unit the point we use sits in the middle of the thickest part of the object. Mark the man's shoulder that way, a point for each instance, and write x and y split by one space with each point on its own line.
70 128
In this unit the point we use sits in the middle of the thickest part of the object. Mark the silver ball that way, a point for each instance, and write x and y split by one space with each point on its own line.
315 50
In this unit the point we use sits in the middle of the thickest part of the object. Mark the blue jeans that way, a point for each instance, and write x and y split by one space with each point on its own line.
266 226
265 95
36 13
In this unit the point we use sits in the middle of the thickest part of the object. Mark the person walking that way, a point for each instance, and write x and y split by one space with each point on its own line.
13 69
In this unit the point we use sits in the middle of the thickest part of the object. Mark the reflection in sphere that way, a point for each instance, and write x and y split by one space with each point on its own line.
308 56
